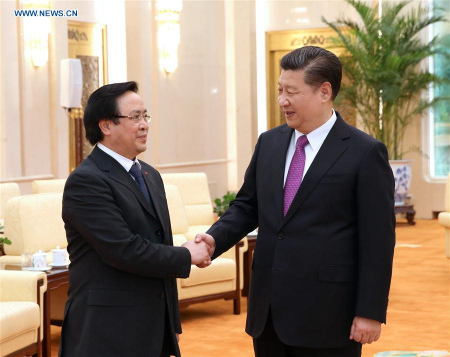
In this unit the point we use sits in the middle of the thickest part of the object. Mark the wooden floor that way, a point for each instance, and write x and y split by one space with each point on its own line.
418 315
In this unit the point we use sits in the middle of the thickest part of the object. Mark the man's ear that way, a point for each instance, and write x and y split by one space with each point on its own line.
104 126
326 92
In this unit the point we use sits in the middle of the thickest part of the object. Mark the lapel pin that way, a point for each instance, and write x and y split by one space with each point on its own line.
146 172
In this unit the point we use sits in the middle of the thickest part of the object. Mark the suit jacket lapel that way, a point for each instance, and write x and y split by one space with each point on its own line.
119 174
332 148
279 150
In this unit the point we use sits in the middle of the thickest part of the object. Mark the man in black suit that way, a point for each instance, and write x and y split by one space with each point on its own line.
122 290
322 194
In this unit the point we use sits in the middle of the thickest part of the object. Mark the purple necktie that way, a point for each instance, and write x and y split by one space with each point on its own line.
295 173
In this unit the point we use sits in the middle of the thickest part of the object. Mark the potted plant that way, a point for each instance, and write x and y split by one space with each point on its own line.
3 240
382 62
223 203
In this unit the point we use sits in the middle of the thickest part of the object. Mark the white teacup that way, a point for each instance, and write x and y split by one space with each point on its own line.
39 259
59 256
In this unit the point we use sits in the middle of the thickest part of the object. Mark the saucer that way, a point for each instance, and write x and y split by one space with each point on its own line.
58 265
39 269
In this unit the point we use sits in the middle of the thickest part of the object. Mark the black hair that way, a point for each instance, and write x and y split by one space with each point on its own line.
319 65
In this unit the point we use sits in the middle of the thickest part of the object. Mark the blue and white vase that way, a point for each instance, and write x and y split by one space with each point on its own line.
402 176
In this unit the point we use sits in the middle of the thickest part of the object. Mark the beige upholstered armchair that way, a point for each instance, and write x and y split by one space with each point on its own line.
444 217
21 312
34 222
7 191
196 198
48 186
194 191
218 281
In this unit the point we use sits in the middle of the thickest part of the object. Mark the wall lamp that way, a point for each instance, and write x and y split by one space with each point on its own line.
168 18
35 31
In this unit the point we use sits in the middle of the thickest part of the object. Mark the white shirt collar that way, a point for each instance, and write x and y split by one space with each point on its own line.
318 135
125 162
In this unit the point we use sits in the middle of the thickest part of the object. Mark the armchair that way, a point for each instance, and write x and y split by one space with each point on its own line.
34 222
48 186
7 191
194 190
21 312
218 281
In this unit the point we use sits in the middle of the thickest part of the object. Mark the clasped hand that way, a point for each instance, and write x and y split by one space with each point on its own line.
201 249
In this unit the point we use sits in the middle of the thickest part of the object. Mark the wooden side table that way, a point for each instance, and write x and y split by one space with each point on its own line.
408 210
55 278
248 258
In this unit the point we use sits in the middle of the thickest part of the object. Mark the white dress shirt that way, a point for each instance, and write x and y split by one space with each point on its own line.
315 141
126 163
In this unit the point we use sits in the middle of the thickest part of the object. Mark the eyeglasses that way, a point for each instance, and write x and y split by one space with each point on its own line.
136 118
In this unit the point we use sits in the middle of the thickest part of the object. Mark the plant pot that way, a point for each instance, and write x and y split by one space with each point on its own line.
402 176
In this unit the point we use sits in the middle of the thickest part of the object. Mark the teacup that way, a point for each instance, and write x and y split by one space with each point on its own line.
59 256
39 259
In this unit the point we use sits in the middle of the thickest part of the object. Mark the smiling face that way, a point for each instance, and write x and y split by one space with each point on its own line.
126 138
305 107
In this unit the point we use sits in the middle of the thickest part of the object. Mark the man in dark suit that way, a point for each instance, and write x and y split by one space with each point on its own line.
322 194
122 290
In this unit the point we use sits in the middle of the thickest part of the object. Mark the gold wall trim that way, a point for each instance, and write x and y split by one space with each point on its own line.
279 43
84 40
88 42
291 39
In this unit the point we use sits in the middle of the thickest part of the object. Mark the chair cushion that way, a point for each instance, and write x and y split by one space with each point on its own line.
47 186
178 218
194 230
34 222
195 192
7 191
200 213
17 317
221 269
179 240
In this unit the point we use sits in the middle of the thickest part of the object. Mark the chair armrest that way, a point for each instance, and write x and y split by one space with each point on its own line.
21 285
444 219
179 240
230 253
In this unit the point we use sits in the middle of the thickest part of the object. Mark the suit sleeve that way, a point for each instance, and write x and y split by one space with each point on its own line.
90 209
242 215
376 233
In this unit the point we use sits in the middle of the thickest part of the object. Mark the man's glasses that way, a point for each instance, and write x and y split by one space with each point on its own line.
136 118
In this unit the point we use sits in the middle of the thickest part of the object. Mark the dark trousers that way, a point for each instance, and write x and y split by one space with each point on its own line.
168 348
269 345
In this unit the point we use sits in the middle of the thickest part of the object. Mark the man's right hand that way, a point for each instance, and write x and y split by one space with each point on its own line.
211 243
199 252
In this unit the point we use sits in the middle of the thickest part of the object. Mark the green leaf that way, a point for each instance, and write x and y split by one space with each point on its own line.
388 66
5 240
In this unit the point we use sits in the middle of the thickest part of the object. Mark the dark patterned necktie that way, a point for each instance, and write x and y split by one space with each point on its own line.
295 173
137 174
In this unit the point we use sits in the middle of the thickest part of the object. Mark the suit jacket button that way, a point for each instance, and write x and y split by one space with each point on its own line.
161 295
158 232
280 236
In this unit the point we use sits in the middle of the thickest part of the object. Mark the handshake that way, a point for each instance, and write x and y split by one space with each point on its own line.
201 249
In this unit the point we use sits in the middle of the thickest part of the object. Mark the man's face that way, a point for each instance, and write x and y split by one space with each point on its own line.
129 138
300 103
